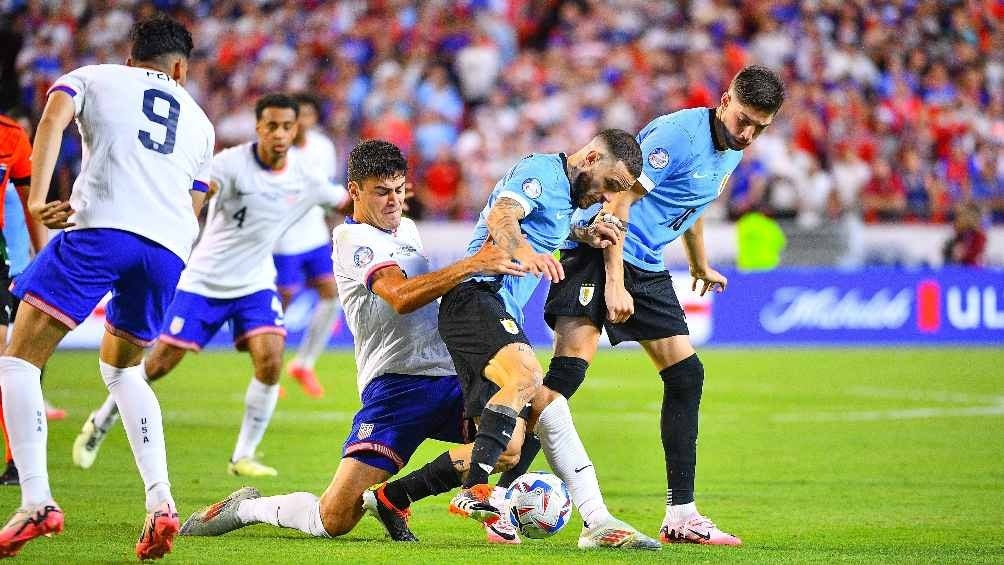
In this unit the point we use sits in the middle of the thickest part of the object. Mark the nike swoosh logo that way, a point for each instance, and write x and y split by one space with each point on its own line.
506 434
705 537
583 467
700 176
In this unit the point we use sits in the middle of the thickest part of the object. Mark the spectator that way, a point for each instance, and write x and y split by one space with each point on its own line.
884 197
968 243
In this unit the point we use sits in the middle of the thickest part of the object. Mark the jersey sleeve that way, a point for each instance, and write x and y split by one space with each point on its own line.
525 184
219 170
358 257
205 173
75 83
665 148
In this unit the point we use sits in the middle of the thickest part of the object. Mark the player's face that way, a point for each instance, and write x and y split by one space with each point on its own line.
276 130
379 202
600 178
741 124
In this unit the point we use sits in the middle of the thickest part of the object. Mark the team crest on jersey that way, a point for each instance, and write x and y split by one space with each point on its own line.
586 293
365 431
721 187
177 324
658 158
532 188
362 256
510 326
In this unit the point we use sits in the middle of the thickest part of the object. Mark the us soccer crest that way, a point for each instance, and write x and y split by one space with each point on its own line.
586 293
362 256
365 431
510 326
177 324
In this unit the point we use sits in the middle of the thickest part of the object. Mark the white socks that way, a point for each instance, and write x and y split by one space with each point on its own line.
142 421
24 411
569 460
318 332
106 416
298 510
680 512
259 404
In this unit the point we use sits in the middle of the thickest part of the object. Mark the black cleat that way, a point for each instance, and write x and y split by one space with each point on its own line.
395 521
10 476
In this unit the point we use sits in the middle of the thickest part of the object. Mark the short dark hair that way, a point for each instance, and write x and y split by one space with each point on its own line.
155 37
275 100
623 147
375 158
759 87
308 99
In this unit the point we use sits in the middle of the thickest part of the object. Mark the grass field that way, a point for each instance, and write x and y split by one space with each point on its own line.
887 456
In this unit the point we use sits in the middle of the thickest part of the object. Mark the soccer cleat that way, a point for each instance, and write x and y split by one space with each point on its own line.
696 529
10 476
158 533
250 467
87 444
502 530
219 518
394 520
617 534
27 524
306 377
475 503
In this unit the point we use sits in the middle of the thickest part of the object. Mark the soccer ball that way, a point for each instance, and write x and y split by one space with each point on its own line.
539 504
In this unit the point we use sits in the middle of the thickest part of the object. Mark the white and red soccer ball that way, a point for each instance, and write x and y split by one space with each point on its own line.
539 504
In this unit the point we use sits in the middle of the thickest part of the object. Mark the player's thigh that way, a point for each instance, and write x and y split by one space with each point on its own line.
576 337
342 501
668 351
35 335
326 288
319 270
266 355
515 364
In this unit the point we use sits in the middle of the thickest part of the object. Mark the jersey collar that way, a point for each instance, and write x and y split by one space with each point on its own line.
254 152
711 125
351 220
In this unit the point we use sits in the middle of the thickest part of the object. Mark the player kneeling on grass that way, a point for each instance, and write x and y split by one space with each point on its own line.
259 190
408 384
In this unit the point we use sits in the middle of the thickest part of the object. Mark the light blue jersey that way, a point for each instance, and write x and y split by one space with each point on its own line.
683 173
15 231
540 184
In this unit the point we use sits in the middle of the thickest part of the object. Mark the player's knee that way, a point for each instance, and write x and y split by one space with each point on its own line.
566 374
338 519
685 376
268 369
161 362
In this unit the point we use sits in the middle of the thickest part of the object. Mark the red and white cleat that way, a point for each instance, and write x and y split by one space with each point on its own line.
158 533
502 530
27 524
307 378
696 529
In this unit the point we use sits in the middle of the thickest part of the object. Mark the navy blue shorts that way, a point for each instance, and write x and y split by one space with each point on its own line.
399 412
77 268
192 319
293 271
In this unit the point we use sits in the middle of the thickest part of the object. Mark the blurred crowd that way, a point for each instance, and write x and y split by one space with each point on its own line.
895 109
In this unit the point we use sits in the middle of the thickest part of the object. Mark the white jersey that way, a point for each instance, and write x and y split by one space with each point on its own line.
147 143
253 207
311 231
385 341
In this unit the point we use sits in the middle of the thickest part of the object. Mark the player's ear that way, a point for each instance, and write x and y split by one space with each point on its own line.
726 98
354 189
179 70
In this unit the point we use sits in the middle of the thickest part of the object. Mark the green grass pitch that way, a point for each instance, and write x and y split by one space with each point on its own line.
883 456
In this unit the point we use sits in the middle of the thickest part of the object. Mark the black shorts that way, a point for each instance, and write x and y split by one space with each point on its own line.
657 312
7 300
475 325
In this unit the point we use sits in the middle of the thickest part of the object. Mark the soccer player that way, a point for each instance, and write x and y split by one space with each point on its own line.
303 254
129 225
258 190
406 379
689 156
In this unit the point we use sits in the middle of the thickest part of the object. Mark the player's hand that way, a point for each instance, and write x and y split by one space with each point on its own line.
620 304
492 260
709 278
53 215
540 263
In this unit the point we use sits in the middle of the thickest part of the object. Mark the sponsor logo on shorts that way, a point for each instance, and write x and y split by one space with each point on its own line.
586 293
365 431
510 326
532 188
658 158
363 256
177 324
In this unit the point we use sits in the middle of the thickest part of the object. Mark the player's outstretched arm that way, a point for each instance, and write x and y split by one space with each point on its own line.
406 295
59 111
700 270
620 305
503 227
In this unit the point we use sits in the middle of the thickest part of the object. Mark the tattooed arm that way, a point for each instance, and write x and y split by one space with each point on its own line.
503 228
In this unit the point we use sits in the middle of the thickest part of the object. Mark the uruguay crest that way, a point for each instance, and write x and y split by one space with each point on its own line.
177 324
586 293
510 326
532 188
658 158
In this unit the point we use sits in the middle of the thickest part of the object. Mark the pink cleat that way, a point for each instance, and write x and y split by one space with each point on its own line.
306 377
158 533
27 524
696 529
501 531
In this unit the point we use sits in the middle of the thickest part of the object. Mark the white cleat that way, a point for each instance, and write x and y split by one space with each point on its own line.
250 467
501 531
87 443
616 534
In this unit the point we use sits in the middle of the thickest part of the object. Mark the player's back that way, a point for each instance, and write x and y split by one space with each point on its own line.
147 143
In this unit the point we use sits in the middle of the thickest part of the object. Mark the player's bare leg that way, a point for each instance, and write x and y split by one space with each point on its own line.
315 339
161 360
683 380
259 404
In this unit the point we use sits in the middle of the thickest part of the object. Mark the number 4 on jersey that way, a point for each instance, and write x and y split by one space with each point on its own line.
239 216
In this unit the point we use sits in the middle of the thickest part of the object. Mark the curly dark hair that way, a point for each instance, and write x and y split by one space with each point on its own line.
623 147
759 87
276 100
375 158
155 37
308 99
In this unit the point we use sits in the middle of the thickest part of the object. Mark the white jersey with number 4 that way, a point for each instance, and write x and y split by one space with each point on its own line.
311 231
253 207
385 341
147 143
